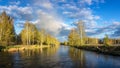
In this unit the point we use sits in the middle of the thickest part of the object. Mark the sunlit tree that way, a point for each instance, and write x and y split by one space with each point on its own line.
73 38
106 40
7 32
41 37
28 34
81 32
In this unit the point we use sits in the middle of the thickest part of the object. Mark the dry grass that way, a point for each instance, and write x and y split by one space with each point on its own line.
23 47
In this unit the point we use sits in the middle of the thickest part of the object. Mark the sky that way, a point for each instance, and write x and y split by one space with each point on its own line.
58 16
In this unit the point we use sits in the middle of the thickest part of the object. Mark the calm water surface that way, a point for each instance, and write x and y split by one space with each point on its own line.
57 57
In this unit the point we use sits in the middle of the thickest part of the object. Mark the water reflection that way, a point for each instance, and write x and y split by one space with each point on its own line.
35 58
78 57
5 60
57 57
86 59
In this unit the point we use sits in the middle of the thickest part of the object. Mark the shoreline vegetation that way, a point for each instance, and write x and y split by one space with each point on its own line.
30 37
21 47
107 50
78 38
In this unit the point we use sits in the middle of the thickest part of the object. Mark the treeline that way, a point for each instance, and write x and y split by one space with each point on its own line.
77 37
30 35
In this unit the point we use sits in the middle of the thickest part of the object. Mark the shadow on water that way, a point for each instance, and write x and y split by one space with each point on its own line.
86 59
57 57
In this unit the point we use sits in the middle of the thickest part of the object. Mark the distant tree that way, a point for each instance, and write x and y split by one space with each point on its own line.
65 43
55 41
18 39
92 40
50 40
106 40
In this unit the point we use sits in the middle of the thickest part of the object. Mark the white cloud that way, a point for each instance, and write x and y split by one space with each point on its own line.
43 3
116 23
112 29
47 5
66 12
17 11
52 22
90 30
84 14
15 3
89 2
49 22
70 6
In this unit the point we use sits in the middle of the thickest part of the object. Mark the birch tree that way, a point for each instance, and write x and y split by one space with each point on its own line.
81 31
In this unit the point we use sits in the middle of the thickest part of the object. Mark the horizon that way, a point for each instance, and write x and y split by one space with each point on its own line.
100 16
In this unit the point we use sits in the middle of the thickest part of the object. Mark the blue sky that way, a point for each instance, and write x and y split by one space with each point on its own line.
56 16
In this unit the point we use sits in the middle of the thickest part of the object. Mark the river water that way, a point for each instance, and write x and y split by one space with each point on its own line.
57 57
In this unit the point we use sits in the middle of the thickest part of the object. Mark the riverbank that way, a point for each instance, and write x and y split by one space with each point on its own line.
21 47
110 50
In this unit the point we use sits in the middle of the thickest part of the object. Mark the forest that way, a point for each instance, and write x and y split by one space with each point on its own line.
30 35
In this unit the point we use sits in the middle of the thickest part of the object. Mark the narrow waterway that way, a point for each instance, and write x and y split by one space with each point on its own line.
57 57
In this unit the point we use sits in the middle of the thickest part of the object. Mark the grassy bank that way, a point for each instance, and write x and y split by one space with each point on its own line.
111 50
21 47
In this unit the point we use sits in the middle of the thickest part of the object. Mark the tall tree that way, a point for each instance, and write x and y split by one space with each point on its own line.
48 39
73 38
7 32
28 34
81 31
41 36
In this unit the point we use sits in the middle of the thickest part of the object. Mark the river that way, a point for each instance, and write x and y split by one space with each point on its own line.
57 57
